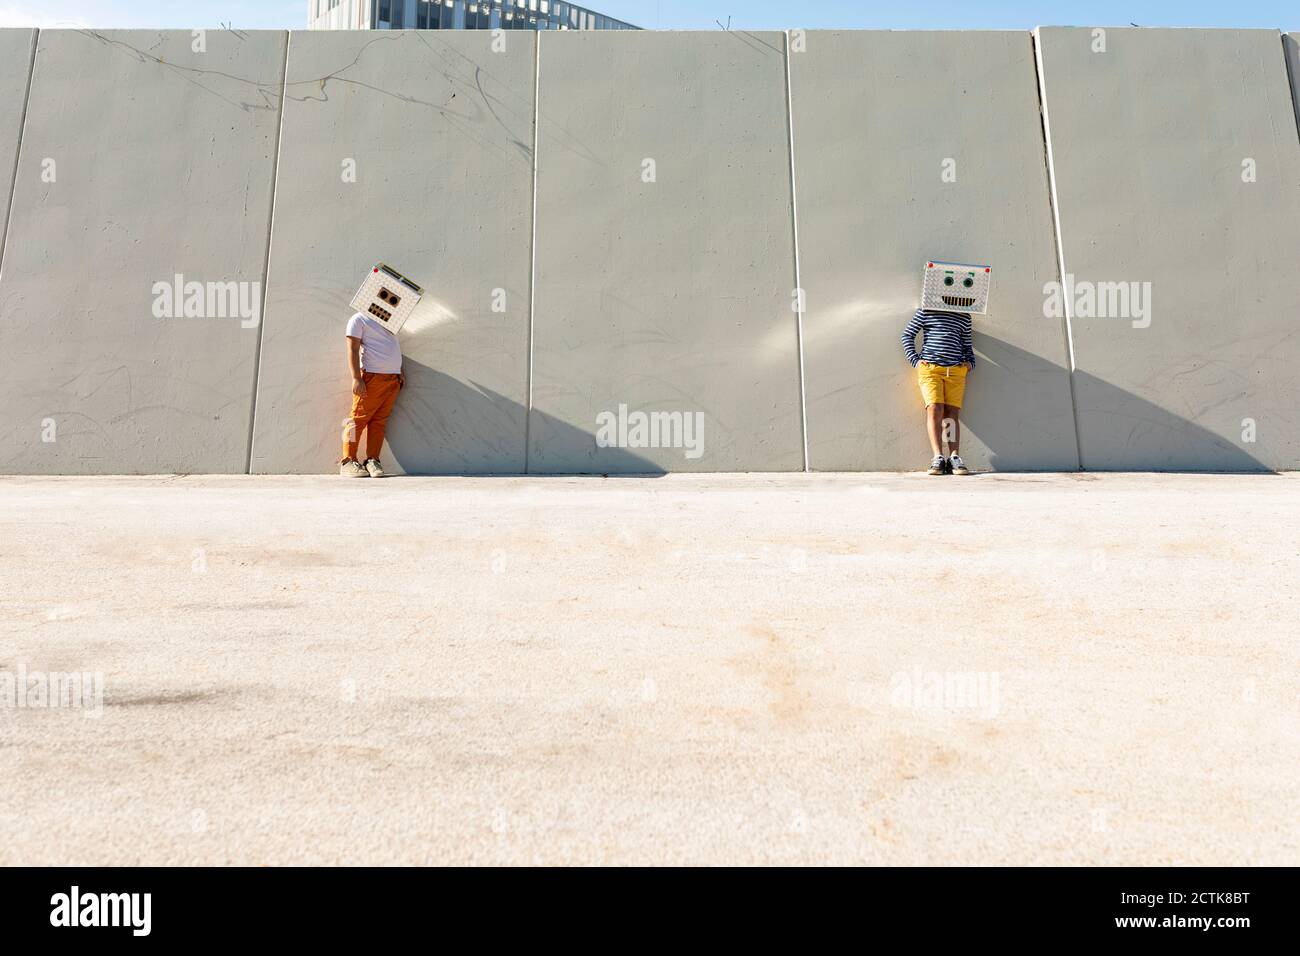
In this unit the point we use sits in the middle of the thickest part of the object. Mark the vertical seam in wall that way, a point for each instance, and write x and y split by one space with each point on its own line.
1292 79
532 255
266 263
18 150
1054 199
800 299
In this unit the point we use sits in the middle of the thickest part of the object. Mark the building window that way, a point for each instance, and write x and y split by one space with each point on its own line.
464 15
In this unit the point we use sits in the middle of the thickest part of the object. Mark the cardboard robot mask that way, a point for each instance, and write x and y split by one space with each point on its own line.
388 296
954 287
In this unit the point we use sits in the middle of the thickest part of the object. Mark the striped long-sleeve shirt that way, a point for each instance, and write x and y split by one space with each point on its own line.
948 338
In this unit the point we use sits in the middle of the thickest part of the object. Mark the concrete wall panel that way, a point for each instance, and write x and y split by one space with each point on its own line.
143 159
909 147
439 128
1178 164
15 69
671 295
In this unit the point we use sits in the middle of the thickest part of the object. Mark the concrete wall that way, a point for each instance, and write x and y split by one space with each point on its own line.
1154 143
439 131
16 49
672 295
566 286
141 159
896 163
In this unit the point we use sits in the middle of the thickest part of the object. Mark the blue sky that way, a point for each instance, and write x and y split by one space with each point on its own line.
704 14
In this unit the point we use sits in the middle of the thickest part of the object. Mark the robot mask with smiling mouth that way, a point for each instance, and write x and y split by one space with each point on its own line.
956 287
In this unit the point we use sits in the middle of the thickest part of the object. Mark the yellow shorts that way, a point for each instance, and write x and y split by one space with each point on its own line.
942 384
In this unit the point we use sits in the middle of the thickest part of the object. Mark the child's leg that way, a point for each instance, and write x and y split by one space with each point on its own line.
354 425
934 426
954 394
384 392
928 378
952 427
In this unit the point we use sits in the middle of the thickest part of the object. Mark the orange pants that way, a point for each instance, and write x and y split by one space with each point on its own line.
370 414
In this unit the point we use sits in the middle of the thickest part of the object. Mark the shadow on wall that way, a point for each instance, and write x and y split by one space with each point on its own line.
442 426
1118 430
1019 408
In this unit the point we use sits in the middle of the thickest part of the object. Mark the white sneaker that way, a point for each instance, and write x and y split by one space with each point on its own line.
375 469
352 469
939 466
958 466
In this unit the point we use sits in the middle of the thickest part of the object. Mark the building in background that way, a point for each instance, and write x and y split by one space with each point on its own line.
456 15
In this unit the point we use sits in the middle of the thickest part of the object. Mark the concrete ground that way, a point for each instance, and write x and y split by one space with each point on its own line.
1036 669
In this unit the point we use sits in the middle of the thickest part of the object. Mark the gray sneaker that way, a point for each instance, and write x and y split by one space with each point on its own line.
352 469
375 469
939 466
958 466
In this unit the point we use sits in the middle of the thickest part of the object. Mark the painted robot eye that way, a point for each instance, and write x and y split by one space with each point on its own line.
947 280
969 282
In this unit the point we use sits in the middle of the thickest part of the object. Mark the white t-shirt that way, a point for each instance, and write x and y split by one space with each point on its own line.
380 350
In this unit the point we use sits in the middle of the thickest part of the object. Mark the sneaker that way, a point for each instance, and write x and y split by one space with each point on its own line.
375 469
958 466
352 469
939 466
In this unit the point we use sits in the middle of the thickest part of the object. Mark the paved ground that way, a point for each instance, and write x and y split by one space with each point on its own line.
750 669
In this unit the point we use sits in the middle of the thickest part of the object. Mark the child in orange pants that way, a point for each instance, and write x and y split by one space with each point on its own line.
375 362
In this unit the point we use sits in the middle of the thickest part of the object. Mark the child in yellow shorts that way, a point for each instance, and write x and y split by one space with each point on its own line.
947 354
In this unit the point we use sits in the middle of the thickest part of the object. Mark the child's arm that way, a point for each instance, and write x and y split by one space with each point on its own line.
909 339
968 341
354 366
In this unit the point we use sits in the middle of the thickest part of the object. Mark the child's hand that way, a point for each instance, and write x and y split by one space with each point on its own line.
359 387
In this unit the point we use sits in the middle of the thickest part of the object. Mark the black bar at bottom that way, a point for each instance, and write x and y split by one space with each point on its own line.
343 906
